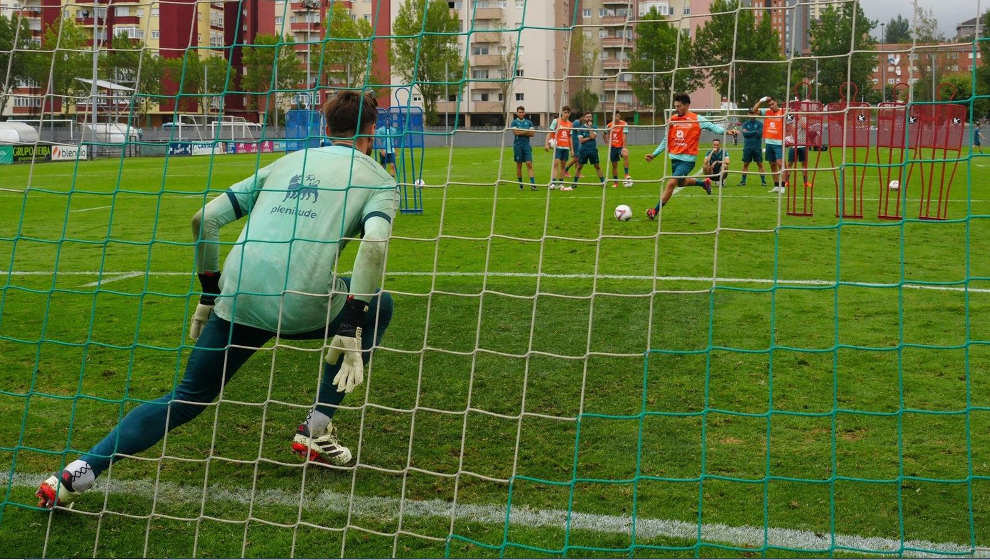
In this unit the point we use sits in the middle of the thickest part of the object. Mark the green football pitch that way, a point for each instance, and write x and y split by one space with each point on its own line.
727 381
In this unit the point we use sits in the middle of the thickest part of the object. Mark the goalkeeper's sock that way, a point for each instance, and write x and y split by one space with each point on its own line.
81 476
519 180
317 422
627 171
532 180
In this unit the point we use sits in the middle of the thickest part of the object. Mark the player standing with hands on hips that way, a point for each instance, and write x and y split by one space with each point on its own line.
681 142
279 279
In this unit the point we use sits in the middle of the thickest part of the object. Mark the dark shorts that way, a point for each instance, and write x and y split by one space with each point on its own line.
680 169
522 153
614 154
588 156
774 153
716 172
387 158
563 154
751 155
801 152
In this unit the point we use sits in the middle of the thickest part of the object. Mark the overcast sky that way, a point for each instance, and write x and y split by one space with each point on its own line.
949 13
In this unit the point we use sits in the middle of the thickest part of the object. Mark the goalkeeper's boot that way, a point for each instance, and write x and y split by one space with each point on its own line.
651 213
324 449
56 490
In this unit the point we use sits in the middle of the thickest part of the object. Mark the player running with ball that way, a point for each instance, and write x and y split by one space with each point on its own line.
683 133
279 279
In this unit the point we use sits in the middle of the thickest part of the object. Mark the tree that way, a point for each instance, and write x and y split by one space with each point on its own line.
508 65
130 62
898 30
13 35
583 99
425 52
722 39
658 44
63 57
832 41
260 77
347 53
982 106
926 26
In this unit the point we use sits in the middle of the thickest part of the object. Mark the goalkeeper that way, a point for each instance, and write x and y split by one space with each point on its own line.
278 280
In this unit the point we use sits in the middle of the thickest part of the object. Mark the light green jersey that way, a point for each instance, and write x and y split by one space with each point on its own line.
301 209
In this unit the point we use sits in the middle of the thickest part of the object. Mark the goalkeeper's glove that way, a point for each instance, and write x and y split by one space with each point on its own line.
210 282
347 343
764 99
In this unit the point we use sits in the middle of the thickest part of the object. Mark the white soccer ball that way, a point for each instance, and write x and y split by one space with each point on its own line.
552 143
420 183
627 183
623 212
894 185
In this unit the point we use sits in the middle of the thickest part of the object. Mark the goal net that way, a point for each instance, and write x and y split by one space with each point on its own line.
799 372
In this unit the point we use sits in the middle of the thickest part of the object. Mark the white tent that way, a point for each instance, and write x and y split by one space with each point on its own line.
17 133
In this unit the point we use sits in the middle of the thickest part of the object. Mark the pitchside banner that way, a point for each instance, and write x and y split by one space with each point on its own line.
63 152
6 155
32 153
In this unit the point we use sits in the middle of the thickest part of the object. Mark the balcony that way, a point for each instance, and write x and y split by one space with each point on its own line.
486 37
615 63
451 106
126 19
613 20
486 60
612 85
488 107
615 42
301 27
487 13
622 3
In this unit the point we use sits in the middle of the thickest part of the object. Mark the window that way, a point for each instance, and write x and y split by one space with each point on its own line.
479 96
519 72
501 97
601 12
155 34
479 49
629 33
687 11
122 11
501 3
586 12
452 97
278 21
154 11
602 33
520 3
520 97
27 101
479 74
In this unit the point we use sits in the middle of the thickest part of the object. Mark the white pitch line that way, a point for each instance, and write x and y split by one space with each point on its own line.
107 278
121 275
381 507
93 208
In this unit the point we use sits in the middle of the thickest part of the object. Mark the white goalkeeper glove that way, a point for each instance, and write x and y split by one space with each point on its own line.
764 99
346 343
210 282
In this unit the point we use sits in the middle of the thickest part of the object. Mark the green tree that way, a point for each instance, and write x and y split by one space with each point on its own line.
583 99
260 78
653 61
346 55
64 56
133 64
926 26
722 39
898 30
425 52
982 106
833 42
13 35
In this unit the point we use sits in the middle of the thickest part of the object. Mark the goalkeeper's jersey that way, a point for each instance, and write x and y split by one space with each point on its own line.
301 208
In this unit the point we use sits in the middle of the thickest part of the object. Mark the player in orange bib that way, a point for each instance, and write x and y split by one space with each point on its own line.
683 133
617 134
773 137
559 140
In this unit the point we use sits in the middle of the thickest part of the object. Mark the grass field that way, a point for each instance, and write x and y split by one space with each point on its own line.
727 381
